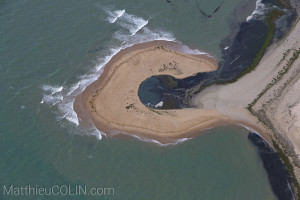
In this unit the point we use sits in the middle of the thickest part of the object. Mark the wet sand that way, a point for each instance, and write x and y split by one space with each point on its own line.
273 90
113 105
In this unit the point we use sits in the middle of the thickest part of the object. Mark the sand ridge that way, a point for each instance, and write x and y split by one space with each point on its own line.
113 103
277 110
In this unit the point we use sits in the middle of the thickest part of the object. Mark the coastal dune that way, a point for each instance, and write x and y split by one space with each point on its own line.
113 104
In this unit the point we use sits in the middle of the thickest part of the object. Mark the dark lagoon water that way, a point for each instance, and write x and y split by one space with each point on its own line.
239 50
51 50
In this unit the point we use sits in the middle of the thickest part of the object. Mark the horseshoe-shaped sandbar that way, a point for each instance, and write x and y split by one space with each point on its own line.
113 104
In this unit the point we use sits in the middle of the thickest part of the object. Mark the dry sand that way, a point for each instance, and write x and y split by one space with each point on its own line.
113 104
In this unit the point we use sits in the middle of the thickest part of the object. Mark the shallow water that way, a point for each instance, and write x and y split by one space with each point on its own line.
49 51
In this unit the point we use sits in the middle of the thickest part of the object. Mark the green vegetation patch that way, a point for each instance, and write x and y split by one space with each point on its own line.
285 69
155 111
285 4
130 106
271 18
280 151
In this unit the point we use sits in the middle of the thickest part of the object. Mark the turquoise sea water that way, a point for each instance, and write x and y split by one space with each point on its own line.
49 51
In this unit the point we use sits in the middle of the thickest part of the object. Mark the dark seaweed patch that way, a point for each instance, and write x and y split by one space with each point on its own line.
240 55
278 175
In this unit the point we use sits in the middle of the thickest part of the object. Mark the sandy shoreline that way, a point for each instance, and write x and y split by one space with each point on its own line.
124 113
271 92
267 100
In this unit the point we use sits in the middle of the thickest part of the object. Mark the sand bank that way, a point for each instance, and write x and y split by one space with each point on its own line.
113 104
271 91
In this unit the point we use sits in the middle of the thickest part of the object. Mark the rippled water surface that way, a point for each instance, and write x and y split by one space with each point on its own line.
50 51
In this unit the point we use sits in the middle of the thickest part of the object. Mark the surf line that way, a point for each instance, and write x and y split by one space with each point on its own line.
119 14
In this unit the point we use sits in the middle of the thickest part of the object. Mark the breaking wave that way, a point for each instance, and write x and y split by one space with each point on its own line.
259 12
251 130
131 30
170 143
114 15
60 99
132 23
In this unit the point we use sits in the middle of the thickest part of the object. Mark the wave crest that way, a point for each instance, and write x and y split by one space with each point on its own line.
60 98
259 12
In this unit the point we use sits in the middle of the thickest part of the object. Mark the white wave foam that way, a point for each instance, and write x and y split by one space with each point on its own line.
187 50
160 104
103 61
60 99
99 136
255 132
113 16
52 99
145 35
259 11
95 132
73 88
132 23
290 189
176 141
139 27
52 89
66 110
